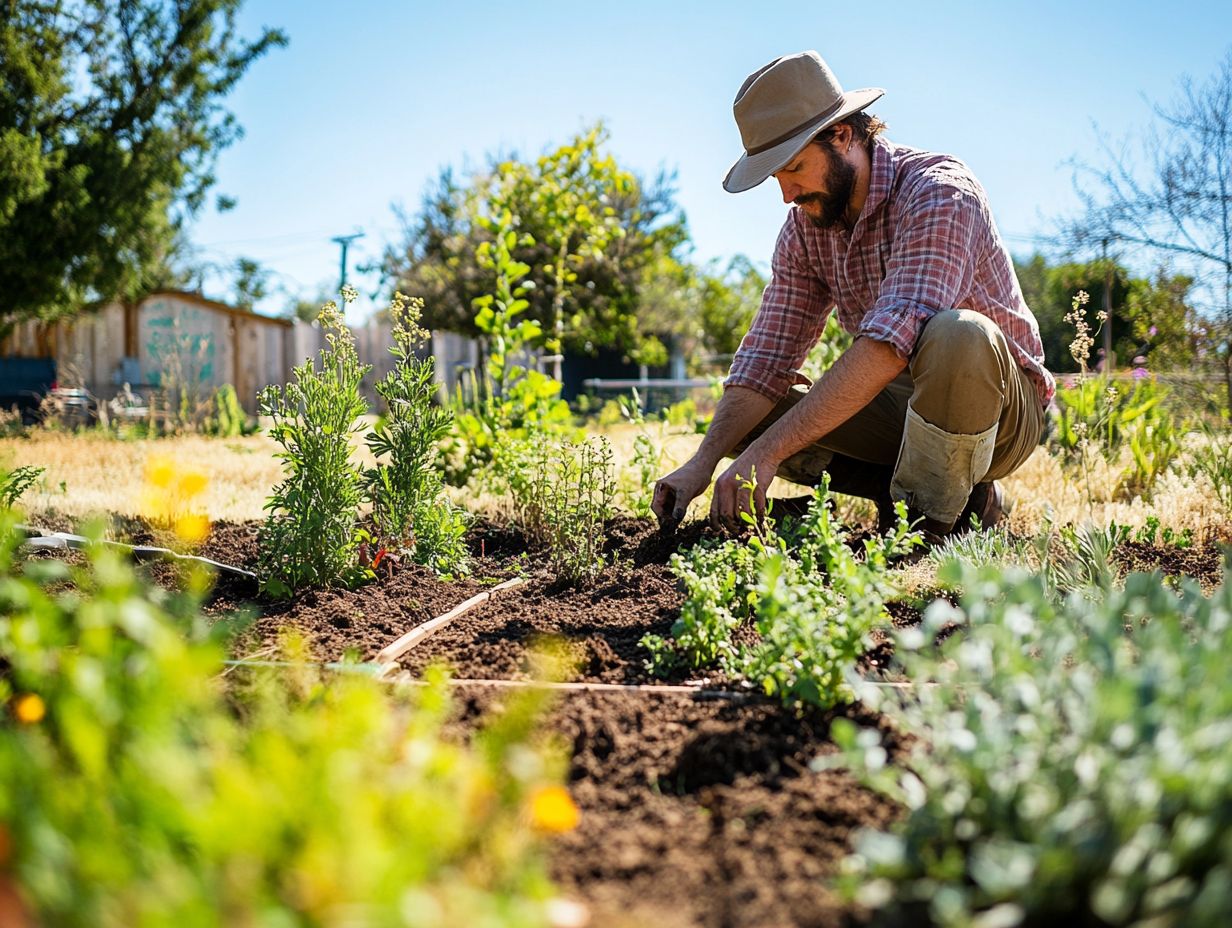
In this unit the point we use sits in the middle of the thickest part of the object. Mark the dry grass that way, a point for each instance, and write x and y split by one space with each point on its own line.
90 474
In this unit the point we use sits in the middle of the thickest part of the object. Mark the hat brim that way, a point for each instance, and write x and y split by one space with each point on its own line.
751 170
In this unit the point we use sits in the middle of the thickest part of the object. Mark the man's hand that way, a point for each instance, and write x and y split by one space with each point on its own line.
732 494
673 493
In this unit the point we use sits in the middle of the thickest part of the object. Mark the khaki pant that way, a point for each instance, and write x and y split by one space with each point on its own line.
962 412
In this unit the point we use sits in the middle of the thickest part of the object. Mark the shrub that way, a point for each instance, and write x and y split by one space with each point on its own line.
228 419
1071 765
309 538
411 513
135 791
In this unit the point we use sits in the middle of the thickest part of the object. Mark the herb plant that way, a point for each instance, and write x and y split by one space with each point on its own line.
15 482
412 515
562 495
812 601
309 538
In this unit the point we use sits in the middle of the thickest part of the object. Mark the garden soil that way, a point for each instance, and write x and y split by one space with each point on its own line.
695 811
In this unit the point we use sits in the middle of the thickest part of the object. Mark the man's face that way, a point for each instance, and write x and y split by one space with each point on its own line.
820 181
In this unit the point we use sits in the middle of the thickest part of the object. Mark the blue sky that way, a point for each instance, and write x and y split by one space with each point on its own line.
371 99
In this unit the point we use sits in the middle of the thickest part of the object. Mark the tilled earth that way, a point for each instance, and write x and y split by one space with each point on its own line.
695 812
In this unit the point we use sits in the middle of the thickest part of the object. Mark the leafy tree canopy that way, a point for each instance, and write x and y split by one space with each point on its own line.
110 121
587 228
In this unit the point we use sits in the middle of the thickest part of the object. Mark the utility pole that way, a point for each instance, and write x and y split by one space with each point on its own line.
1109 359
345 242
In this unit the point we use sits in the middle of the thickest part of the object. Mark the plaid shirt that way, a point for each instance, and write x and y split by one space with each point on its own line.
925 242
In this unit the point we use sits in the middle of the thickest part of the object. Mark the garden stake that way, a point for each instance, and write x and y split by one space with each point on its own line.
392 652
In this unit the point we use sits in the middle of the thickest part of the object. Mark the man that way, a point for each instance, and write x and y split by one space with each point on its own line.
943 390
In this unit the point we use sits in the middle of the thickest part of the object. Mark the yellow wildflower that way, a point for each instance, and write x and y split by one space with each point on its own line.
192 528
192 484
29 709
552 810
159 471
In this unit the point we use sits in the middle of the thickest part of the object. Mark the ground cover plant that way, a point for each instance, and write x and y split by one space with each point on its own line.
1071 765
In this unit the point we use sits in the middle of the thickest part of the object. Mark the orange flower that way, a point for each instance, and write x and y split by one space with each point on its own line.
29 709
552 810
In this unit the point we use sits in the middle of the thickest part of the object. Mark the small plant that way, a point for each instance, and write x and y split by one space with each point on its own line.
1070 760
15 482
309 538
1212 459
637 484
229 419
413 518
718 582
812 600
562 495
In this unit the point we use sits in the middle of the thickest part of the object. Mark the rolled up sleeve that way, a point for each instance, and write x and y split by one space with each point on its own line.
793 311
931 264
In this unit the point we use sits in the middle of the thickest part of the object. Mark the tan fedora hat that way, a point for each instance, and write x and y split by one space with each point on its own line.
781 107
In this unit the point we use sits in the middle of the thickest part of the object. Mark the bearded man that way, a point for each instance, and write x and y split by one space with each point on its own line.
943 390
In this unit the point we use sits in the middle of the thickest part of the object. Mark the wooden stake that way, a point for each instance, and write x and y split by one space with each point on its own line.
392 652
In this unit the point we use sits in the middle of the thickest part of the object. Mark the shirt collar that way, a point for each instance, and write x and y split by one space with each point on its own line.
881 176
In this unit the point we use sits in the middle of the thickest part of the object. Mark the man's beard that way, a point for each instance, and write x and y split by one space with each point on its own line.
842 182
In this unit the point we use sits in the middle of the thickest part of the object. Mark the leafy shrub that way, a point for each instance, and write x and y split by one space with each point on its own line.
1071 765
134 791
812 599
409 507
309 537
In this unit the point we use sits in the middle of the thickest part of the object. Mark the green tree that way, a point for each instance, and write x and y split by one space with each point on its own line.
707 308
251 283
1152 316
110 120
586 227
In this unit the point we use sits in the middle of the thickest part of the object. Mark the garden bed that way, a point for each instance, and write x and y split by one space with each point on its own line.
694 811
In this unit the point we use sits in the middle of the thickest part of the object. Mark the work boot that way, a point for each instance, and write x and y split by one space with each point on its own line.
987 503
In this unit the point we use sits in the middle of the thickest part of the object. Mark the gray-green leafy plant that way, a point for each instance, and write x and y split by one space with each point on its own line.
811 599
1070 759
410 511
309 538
